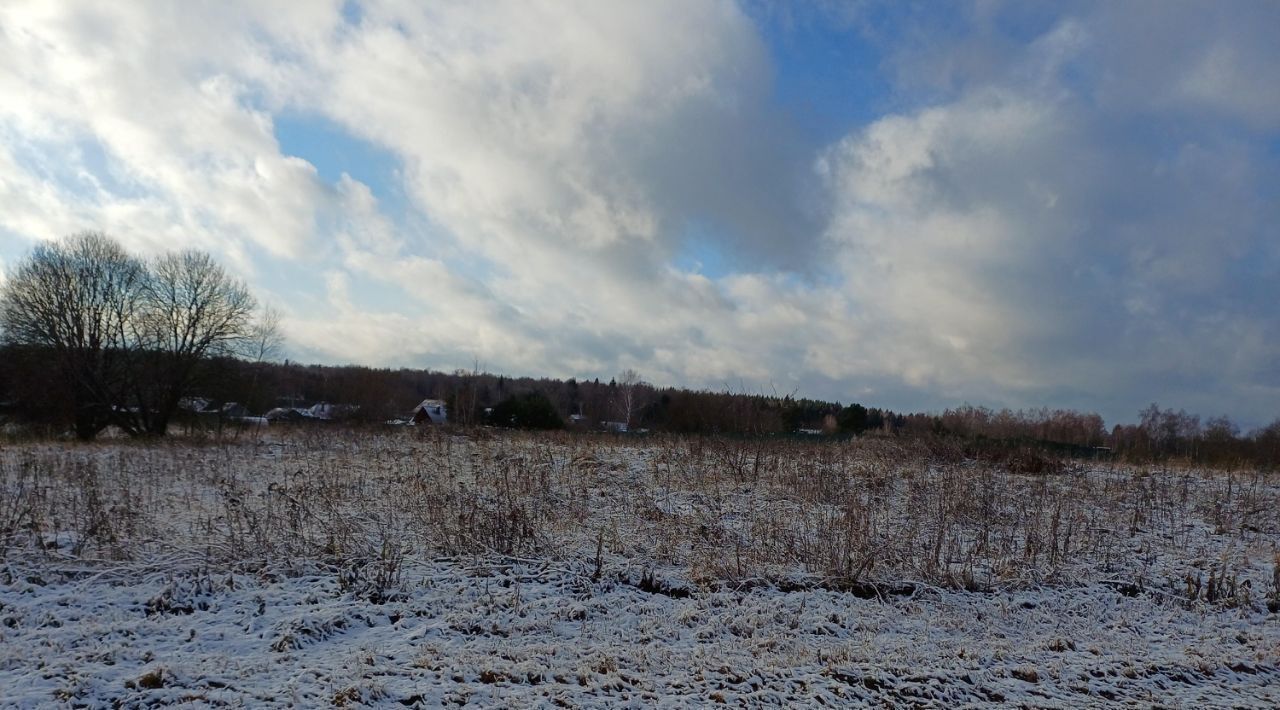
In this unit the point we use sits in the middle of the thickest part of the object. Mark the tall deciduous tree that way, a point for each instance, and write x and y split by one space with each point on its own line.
80 299
628 384
194 310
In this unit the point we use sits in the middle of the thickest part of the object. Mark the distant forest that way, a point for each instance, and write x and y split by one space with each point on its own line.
30 393
92 336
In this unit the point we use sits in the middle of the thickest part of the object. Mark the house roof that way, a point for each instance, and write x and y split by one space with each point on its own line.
433 410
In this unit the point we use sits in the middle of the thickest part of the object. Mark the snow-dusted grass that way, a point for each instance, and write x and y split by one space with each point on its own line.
322 567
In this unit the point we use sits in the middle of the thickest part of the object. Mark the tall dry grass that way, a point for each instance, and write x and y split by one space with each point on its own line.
708 511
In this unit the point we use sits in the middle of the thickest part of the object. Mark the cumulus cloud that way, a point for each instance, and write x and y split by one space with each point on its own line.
186 156
568 162
596 127
1034 239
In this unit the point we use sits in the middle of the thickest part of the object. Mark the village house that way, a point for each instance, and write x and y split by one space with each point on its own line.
430 411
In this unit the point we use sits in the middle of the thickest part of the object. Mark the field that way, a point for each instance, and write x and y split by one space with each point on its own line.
403 568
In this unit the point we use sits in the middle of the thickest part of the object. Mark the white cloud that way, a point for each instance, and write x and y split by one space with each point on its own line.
1020 243
525 124
547 157
156 88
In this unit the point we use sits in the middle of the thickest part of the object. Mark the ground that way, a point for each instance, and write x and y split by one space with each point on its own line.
405 570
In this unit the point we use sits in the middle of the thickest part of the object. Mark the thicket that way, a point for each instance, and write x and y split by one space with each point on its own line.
531 410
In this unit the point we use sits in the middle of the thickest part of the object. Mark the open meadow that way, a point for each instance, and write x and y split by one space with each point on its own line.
405 567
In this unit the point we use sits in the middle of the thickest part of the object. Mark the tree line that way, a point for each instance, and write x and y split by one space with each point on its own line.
476 398
92 336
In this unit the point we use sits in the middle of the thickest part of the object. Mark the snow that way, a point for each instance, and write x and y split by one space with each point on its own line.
298 571
521 634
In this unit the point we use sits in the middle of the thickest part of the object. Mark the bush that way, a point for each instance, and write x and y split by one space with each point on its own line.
527 411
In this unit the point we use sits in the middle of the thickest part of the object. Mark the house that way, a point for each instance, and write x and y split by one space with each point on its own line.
194 404
324 411
234 410
430 411
284 414
237 413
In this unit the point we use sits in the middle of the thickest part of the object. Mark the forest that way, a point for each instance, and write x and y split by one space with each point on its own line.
31 394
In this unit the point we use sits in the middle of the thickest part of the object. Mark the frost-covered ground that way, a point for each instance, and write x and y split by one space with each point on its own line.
522 634
525 571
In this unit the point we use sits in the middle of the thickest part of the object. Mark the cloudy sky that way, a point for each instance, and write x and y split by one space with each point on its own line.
911 205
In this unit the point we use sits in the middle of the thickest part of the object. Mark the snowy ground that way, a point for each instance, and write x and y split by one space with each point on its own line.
521 571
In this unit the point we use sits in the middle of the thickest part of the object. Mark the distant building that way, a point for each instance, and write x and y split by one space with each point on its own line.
430 411
327 412
194 404
285 414
234 410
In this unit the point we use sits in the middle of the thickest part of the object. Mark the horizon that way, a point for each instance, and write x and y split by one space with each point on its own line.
1008 205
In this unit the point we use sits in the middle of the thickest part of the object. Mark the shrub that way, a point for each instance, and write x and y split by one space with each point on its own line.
527 411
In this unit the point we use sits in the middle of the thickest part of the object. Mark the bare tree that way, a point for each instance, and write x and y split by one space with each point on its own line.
264 344
194 310
265 340
466 395
628 383
79 299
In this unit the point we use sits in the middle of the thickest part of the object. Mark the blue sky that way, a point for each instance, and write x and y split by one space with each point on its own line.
333 151
911 205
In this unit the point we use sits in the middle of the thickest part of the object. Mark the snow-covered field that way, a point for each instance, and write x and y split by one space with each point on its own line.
321 568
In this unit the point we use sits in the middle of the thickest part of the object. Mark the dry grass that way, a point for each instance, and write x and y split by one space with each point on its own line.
711 512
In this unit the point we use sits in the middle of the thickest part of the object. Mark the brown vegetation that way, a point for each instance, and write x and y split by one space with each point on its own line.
709 511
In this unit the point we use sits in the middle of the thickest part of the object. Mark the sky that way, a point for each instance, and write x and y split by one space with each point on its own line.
910 205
